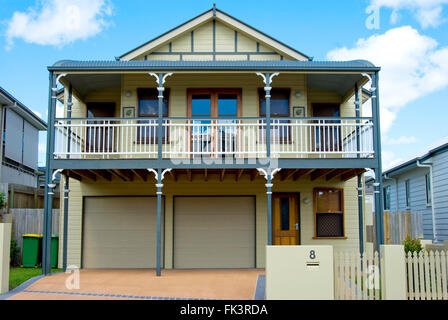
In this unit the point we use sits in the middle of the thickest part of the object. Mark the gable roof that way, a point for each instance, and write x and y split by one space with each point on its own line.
209 15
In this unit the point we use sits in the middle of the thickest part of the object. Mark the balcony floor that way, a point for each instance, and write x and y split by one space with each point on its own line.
129 175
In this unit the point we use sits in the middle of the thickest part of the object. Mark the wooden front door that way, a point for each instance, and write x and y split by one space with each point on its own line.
285 219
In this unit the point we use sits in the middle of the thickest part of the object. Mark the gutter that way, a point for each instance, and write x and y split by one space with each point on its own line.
434 229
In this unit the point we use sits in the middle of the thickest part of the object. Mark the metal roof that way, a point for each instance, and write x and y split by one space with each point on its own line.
282 65
210 10
440 148
22 110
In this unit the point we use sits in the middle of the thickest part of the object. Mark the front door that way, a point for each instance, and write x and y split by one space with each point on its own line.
285 219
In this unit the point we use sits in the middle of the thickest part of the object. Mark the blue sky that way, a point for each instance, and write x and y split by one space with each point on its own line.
409 42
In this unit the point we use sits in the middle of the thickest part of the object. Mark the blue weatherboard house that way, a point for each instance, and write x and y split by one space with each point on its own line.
421 185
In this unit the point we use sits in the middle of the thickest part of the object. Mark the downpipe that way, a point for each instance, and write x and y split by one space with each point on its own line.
434 229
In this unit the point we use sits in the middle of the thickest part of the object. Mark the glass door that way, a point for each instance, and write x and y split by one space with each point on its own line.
227 128
213 114
201 137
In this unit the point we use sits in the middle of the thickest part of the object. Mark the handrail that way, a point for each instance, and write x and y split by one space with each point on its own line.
215 118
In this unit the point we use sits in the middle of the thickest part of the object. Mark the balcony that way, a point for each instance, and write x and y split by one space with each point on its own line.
187 138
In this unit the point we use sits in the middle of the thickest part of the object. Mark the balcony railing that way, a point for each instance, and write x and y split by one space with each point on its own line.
103 138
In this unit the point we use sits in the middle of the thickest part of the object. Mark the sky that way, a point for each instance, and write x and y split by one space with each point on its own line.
406 38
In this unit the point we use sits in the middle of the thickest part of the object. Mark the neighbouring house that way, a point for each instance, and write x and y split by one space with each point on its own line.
19 152
419 186
202 146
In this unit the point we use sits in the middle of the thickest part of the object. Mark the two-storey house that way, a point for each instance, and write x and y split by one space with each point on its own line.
202 146
19 143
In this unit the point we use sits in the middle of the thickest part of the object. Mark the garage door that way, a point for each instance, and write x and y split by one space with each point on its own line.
214 232
119 232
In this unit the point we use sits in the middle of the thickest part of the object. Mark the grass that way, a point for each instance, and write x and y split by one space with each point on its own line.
17 276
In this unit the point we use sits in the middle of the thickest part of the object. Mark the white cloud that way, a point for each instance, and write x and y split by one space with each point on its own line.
58 22
389 160
400 140
412 66
429 13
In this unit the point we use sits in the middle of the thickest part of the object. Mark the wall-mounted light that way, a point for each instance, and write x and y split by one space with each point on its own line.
298 94
306 200
128 94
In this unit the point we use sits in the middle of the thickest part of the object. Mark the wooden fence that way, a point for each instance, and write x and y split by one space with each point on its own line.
30 221
427 275
399 225
357 277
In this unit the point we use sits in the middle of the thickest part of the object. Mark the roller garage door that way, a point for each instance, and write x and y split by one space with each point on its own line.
214 232
119 232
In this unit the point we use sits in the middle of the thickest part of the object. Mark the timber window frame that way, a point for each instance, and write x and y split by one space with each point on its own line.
329 214
280 136
214 98
151 94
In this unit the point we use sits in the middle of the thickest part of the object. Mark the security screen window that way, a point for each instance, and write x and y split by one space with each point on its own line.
148 106
329 213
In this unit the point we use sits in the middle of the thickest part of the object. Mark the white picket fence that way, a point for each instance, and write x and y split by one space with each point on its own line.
357 277
427 275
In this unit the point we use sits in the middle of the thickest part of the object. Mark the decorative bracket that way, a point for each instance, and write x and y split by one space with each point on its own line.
268 82
160 82
156 174
271 172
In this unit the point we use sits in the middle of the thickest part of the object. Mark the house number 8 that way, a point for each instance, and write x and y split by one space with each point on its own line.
312 254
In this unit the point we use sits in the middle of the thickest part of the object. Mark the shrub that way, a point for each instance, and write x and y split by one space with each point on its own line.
412 245
14 253
2 205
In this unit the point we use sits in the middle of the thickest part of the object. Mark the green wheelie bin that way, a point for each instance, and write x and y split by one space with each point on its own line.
54 250
31 245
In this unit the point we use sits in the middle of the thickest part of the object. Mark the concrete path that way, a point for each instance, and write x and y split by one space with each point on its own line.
234 284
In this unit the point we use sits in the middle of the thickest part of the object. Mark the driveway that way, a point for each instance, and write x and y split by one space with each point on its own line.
233 284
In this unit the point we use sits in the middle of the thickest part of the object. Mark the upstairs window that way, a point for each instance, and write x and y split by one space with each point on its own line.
280 102
280 106
148 102
148 106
